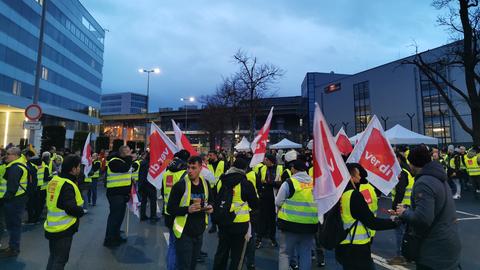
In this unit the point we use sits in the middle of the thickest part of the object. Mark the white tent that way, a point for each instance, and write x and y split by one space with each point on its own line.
285 144
354 139
401 135
310 144
243 145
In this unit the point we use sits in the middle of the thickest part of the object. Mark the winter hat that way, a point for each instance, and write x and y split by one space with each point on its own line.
419 156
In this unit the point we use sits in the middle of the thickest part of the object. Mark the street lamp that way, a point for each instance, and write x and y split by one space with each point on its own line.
186 100
148 71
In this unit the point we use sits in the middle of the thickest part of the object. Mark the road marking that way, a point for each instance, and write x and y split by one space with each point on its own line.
468 214
382 262
167 236
469 218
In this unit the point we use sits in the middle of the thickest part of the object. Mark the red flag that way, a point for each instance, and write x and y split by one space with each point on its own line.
182 140
330 172
162 150
343 143
87 156
133 203
374 152
259 144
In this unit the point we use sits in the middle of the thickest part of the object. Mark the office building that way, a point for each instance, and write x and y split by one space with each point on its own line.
123 103
71 73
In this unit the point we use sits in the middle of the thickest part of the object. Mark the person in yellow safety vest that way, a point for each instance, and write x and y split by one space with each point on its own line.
47 175
35 181
147 191
232 237
189 205
136 168
297 218
176 170
118 182
455 172
257 167
289 157
95 175
14 199
355 251
270 178
64 209
215 165
472 162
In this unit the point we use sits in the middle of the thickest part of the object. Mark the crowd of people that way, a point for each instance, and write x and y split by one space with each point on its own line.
269 205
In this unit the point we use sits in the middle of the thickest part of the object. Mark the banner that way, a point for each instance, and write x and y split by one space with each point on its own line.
182 141
330 172
162 150
87 156
133 203
259 144
343 143
374 152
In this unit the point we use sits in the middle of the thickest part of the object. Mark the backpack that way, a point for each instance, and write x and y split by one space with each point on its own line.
332 232
222 205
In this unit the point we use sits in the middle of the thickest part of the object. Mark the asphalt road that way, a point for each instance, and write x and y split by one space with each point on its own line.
146 246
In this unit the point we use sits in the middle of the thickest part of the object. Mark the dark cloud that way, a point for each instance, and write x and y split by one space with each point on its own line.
193 41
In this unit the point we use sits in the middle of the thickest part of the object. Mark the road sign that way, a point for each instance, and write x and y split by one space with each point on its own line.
33 112
32 125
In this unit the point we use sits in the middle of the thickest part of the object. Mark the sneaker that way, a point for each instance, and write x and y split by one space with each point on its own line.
293 267
258 244
397 260
8 253
274 243
456 197
321 263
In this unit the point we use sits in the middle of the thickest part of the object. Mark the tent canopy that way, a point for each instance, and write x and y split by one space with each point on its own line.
401 135
243 145
285 144
354 139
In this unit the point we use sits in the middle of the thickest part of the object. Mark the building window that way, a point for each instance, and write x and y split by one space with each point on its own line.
44 73
17 88
361 97
436 115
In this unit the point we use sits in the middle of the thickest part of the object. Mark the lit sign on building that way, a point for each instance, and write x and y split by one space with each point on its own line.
333 87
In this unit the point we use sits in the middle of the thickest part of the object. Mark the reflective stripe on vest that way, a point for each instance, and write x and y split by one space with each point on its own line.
57 219
301 207
40 174
169 179
239 207
368 192
252 177
473 168
361 235
278 173
3 182
135 172
24 179
114 180
408 189
45 183
180 221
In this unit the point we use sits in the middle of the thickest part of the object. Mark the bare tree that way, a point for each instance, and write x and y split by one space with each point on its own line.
462 22
257 80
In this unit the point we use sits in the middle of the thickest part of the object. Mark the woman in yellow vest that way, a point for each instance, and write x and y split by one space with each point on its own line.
64 205
354 253
189 205
231 237
297 218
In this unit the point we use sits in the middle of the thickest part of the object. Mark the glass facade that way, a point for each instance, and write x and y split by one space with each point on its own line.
361 98
72 61
123 103
436 115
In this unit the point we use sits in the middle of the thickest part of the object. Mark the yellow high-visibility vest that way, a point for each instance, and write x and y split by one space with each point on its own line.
239 207
473 169
169 179
278 175
40 174
408 190
135 172
123 179
252 177
219 170
57 219
180 221
3 182
24 179
301 207
96 174
370 196
361 235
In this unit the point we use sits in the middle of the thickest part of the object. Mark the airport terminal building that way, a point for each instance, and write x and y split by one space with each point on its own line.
398 93
72 63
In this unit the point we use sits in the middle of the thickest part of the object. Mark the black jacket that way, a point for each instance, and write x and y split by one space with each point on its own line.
401 187
230 179
117 166
13 174
67 202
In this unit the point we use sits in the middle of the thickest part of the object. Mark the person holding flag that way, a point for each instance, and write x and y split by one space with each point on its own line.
119 179
148 192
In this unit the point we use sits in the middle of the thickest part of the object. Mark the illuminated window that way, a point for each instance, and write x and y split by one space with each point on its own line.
45 73
361 97
17 88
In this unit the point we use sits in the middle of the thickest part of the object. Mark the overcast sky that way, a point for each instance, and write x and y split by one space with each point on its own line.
193 41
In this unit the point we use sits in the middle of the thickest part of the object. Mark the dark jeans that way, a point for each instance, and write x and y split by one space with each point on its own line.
115 217
32 205
59 253
13 220
266 226
355 257
187 250
229 246
250 252
148 194
92 192
2 219
42 196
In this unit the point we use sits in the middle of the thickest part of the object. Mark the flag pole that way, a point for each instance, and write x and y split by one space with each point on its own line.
128 222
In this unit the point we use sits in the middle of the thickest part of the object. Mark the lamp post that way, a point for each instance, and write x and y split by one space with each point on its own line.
186 100
148 71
